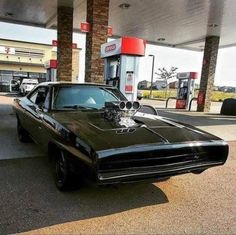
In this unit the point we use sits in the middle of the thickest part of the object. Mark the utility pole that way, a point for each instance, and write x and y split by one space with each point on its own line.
153 63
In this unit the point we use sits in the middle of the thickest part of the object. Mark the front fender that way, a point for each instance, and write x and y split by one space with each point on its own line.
74 152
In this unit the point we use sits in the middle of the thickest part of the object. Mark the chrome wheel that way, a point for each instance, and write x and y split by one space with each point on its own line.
61 169
62 174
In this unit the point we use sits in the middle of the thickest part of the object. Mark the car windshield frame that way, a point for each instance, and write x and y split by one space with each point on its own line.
110 90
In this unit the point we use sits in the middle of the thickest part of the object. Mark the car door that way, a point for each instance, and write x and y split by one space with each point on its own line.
46 125
35 111
29 109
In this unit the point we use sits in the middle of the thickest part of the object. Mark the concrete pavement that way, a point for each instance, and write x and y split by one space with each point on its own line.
219 125
215 106
10 145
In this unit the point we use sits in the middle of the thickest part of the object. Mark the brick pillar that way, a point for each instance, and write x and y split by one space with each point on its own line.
75 65
64 48
97 16
208 71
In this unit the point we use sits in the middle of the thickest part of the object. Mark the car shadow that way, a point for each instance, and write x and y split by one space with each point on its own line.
30 200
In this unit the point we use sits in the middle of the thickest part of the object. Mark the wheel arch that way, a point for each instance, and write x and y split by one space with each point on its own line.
55 147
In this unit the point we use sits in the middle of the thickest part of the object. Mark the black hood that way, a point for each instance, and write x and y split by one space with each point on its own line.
100 133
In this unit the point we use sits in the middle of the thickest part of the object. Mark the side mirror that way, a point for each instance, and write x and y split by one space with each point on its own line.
148 110
40 106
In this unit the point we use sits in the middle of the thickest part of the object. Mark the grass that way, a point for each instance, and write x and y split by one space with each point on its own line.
220 96
216 95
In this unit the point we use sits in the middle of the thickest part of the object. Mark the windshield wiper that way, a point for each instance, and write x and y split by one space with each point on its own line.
78 107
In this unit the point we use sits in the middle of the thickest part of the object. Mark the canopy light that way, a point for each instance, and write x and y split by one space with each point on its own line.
213 25
161 39
124 5
9 14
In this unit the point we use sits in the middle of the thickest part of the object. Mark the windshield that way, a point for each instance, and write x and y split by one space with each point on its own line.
83 97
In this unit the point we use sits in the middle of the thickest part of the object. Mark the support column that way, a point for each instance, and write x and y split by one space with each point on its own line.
208 71
97 16
64 48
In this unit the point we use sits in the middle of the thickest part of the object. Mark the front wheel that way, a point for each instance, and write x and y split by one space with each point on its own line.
63 176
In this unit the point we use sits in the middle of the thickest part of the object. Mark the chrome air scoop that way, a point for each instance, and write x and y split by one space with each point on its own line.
121 112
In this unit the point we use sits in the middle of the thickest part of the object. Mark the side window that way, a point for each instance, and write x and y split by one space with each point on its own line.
40 96
33 97
47 100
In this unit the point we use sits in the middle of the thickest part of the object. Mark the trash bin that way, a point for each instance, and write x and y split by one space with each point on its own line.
228 107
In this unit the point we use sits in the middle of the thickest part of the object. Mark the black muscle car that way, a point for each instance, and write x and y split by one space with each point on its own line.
92 131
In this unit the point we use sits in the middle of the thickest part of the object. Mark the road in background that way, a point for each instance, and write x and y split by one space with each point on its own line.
186 204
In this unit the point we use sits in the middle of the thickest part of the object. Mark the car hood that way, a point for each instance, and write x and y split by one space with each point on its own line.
101 134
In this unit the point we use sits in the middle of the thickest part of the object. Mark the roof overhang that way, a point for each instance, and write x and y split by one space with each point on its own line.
179 24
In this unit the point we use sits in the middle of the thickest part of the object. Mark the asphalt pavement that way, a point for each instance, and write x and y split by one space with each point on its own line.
31 204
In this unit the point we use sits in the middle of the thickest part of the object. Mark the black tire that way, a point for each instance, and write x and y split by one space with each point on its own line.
197 172
22 134
63 176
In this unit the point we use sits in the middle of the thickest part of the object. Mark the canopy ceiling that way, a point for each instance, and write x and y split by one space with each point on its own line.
174 23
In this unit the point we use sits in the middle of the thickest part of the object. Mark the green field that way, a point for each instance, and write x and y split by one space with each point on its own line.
216 96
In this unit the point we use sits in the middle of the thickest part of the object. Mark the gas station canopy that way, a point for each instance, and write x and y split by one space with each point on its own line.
173 23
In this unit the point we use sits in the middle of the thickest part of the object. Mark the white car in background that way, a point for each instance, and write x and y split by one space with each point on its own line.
27 85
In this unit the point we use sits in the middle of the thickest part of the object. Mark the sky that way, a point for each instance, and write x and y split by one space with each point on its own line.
184 60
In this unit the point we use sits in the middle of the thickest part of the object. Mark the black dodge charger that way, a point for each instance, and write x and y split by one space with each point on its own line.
91 131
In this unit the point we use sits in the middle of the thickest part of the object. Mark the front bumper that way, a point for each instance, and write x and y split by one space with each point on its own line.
155 173
160 162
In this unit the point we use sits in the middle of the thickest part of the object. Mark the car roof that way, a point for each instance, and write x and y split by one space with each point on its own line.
62 83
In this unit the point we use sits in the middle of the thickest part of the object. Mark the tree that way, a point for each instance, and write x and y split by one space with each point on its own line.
167 75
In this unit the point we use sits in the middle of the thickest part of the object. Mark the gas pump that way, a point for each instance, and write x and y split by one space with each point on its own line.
185 90
51 66
122 64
